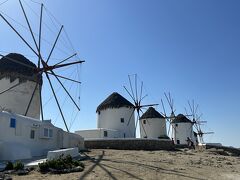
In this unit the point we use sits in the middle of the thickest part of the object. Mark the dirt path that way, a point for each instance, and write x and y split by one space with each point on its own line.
116 164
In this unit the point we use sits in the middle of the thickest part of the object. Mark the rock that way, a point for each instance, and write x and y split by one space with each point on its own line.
22 172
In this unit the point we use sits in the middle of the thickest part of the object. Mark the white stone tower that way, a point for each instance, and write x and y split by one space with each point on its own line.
117 113
153 125
18 81
182 129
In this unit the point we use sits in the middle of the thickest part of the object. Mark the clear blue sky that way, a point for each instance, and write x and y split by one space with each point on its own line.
190 48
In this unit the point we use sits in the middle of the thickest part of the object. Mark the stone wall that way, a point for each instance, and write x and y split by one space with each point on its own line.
129 144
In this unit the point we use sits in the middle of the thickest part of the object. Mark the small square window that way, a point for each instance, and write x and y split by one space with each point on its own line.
105 133
50 133
176 125
144 121
13 123
122 120
178 141
32 134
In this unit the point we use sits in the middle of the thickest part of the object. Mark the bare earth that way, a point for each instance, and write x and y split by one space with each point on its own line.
119 164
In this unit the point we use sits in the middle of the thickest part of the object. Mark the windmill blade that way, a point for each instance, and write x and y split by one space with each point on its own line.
136 88
130 117
130 95
41 105
208 133
30 101
53 47
140 97
66 59
19 35
190 107
143 98
169 101
136 123
29 26
170 124
55 97
186 110
130 83
40 35
163 108
148 105
69 95
10 88
64 77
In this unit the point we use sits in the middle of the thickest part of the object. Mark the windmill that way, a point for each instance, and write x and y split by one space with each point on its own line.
44 66
136 94
172 114
196 121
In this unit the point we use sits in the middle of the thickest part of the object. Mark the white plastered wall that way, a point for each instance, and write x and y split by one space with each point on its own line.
181 131
17 140
16 100
99 133
154 128
111 119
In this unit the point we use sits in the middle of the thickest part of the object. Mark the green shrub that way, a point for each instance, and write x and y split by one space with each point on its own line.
43 167
9 166
59 164
18 165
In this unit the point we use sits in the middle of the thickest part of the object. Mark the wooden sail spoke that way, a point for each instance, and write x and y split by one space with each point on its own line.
56 99
19 35
47 68
66 91
56 40
66 59
64 77
10 88
30 101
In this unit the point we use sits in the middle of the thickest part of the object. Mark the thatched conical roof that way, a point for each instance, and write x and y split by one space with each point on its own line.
181 119
115 100
15 66
151 113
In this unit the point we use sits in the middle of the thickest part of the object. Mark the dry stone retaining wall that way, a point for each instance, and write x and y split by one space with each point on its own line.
129 144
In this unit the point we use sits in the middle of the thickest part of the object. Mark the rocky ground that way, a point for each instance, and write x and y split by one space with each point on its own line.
182 164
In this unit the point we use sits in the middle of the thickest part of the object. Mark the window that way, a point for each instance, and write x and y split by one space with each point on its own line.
13 123
176 125
145 137
124 135
50 133
122 120
32 134
144 121
105 133
178 141
45 132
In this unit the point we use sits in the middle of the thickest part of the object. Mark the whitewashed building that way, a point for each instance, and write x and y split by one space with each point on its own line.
182 129
153 125
115 119
22 134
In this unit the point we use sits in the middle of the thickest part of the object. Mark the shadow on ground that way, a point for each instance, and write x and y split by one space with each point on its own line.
114 165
